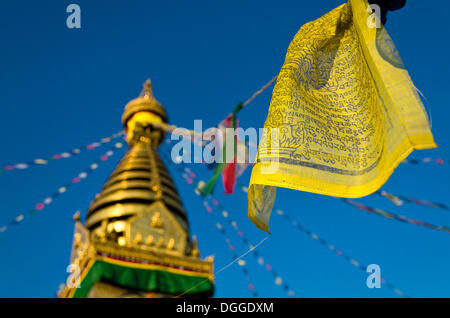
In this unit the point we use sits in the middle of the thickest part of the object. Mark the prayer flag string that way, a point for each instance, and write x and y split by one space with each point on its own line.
333 248
63 155
190 177
359 206
398 200
384 214
81 176
221 166
170 128
439 161
242 263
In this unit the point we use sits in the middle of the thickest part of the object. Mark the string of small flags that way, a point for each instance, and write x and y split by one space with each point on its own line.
398 200
232 248
331 247
391 216
63 155
242 263
334 249
439 161
190 177
48 200
170 128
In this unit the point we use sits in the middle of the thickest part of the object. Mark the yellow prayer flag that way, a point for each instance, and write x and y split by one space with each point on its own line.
344 113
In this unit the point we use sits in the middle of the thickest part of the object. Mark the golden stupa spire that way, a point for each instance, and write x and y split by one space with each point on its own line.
137 225
144 111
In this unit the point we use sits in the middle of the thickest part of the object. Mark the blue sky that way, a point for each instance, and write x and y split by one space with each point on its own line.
62 88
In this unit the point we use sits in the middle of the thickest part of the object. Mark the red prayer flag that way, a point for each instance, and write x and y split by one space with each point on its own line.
229 172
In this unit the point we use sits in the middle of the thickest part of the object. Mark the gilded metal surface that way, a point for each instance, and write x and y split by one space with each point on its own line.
115 211
152 255
134 179
157 221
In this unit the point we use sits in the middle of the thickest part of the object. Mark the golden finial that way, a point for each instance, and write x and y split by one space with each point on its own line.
148 89
146 103
77 216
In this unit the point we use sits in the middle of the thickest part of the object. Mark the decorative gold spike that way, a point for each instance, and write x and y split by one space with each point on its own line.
148 88
77 216
77 240
61 289
138 238
171 244
195 251
149 240
157 221
146 102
